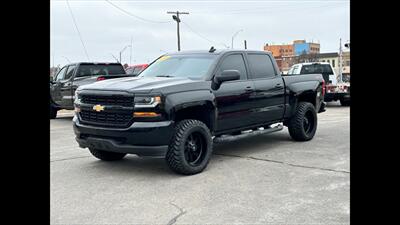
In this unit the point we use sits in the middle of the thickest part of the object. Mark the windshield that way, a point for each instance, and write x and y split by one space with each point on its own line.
188 66
91 70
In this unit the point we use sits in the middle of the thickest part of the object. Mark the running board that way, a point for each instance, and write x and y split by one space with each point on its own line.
225 138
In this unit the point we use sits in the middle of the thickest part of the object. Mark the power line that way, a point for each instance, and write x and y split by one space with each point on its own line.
77 29
132 15
76 26
202 36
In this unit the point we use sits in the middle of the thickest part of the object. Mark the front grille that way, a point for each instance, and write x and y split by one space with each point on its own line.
120 119
118 100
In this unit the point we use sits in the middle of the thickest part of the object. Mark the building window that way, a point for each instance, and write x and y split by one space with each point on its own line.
333 62
328 61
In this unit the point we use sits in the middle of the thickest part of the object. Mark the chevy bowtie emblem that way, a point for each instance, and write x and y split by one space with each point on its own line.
98 108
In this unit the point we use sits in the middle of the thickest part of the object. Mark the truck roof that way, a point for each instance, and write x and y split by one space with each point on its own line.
94 63
216 52
312 63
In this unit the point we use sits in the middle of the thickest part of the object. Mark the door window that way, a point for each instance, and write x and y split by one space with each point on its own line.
70 72
234 62
60 75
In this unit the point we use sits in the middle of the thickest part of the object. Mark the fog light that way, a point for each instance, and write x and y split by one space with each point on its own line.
145 114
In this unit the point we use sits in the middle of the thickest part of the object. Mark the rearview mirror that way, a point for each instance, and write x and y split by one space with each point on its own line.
227 75
51 79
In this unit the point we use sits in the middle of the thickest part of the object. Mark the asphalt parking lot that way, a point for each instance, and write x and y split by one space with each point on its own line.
267 179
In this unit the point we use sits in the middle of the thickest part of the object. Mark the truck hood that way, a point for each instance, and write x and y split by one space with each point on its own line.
146 85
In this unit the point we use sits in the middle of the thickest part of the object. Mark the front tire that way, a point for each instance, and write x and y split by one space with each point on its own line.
53 112
345 102
303 125
190 149
106 156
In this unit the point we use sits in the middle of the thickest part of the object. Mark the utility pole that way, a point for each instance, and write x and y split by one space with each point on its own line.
130 56
178 20
340 61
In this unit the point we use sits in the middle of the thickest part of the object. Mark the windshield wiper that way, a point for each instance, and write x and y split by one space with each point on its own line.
164 76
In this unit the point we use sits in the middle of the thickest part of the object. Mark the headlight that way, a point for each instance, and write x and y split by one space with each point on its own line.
77 100
147 101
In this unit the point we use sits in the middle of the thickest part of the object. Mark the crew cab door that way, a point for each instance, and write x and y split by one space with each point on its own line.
234 97
55 86
269 96
67 92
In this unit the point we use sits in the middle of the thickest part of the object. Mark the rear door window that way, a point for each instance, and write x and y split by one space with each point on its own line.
261 66
99 69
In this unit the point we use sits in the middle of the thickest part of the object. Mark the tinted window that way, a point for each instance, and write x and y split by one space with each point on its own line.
189 66
316 68
70 72
99 69
261 66
60 75
234 62
324 69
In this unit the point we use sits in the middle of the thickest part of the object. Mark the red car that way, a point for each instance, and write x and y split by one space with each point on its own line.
135 69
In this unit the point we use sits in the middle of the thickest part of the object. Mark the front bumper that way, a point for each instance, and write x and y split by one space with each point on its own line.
141 138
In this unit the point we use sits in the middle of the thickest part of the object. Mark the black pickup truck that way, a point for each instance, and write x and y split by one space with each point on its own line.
71 76
185 101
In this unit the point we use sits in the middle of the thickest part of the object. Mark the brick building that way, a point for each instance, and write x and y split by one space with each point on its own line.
287 54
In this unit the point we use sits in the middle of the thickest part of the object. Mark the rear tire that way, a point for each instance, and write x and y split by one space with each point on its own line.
345 102
303 125
106 156
53 112
190 149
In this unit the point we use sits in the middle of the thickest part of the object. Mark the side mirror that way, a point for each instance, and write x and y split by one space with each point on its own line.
227 75
51 79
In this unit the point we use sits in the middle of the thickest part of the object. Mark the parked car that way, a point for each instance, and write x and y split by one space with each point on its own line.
71 76
335 89
185 101
136 69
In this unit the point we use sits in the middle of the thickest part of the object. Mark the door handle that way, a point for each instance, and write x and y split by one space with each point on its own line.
278 85
249 89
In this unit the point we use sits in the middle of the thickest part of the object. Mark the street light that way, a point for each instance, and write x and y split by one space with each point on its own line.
120 53
233 37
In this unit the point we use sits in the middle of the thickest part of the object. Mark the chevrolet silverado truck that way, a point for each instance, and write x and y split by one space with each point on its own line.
71 76
335 89
186 101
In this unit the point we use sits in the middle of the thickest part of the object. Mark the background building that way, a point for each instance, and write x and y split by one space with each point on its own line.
302 47
288 54
331 58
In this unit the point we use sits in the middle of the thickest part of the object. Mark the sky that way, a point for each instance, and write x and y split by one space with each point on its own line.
105 27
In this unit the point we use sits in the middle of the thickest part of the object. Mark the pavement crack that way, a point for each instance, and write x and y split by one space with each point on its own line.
173 220
284 163
58 160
